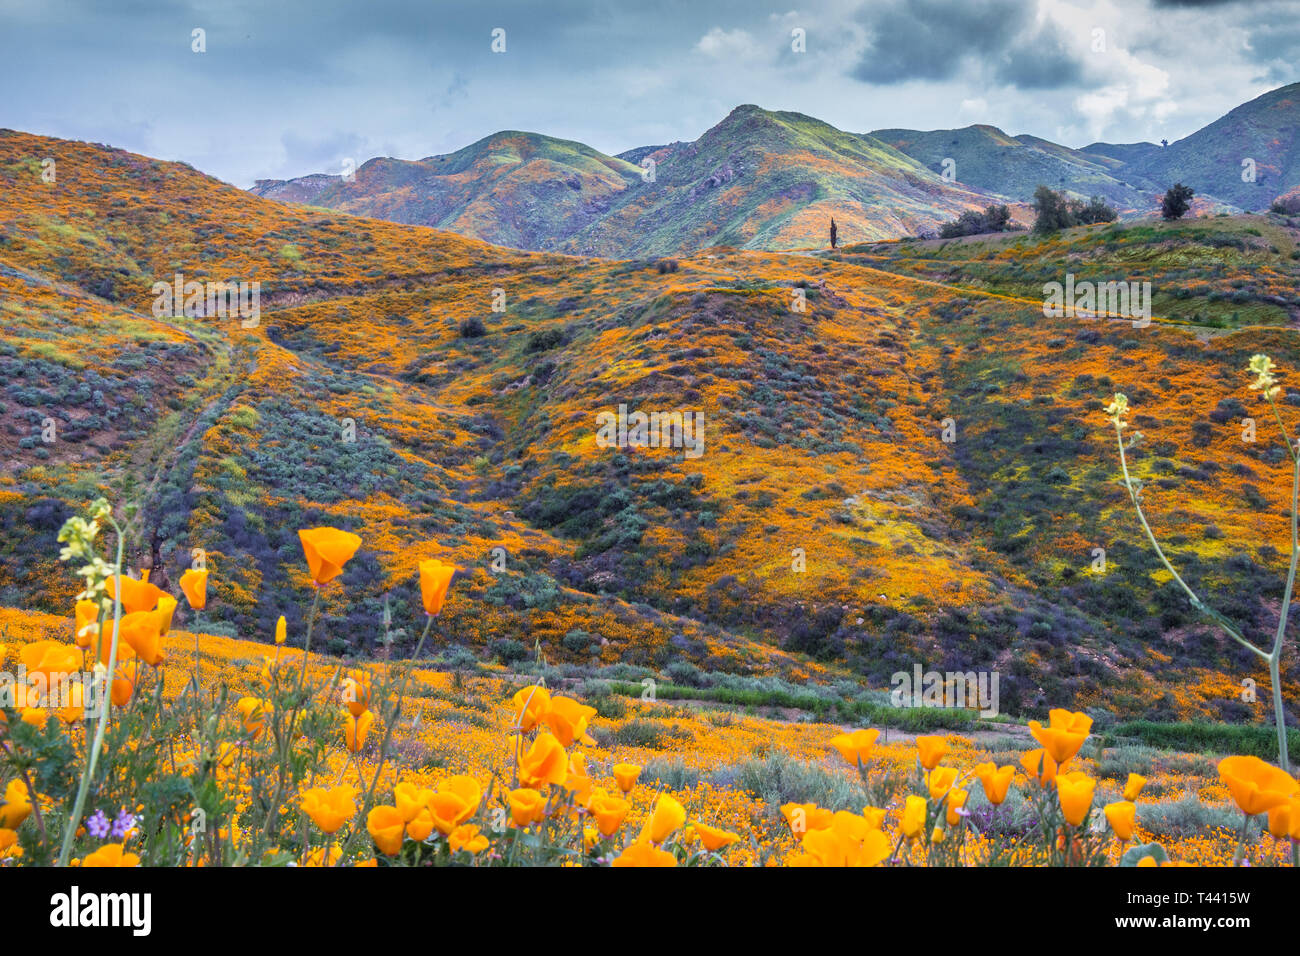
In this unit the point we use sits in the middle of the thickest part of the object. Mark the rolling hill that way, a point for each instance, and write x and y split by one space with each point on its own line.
440 395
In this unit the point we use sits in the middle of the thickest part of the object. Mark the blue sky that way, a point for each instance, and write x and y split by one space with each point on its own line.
288 88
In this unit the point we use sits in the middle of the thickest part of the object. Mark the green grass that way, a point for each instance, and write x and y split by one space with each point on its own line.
1196 737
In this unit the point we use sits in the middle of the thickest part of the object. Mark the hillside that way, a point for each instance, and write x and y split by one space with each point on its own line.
758 179
1265 130
986 158
825 531
513 189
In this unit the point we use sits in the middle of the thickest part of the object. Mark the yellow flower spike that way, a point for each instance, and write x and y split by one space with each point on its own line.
1256 786
931 750
387 828
1074 790
626 774
667 819
327 550
643 854
1134 786
194 585
913 821
435 580
995 780
467 837
855 747
1120 815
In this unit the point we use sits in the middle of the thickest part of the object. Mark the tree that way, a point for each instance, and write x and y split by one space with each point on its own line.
834 233
973 223
1177 201
1053 210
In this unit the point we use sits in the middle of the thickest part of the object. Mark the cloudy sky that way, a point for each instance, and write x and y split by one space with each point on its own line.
288 87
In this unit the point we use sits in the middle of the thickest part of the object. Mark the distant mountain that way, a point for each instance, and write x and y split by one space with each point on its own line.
758 179
1265 130
773 180
986 158
512 189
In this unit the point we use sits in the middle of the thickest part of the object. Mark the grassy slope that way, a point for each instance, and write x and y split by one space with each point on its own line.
822 434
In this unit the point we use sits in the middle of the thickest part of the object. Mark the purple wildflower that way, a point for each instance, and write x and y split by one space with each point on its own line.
98 825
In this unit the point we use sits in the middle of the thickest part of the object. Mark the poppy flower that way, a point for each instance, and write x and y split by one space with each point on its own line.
1074 790
387 828
913 821
355 692
803 818
543 763
194 584
327 550
643 854
1039 765
1120 816
252 715
16 806
163 613
420 826
625 775
110 855
140 631
849 841
530 706
1134 786
281 630
1064 734
995 780
356 729
665 820
568 720
956 800
855 746
714 838
940 780
467 837
329 807
52 660
86 629
454 802
608 812
931 750
1284 820
1256 786
435 579
137 596
527 806
410 799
